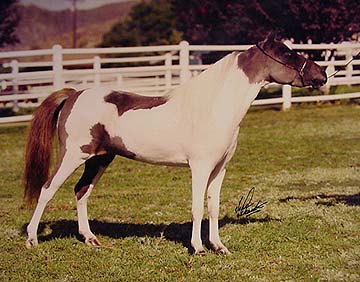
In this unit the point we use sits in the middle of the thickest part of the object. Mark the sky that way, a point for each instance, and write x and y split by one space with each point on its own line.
56 5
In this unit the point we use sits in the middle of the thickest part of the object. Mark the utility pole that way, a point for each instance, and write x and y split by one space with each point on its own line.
74 10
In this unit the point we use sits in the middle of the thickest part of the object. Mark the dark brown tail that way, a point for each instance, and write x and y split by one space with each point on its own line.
39 143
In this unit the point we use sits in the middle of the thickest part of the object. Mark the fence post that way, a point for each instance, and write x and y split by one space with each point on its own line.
119 80
58 81
184 61
84 82
349 67
330 70
15 86
97 69
157 84
286 93
3 85
168 74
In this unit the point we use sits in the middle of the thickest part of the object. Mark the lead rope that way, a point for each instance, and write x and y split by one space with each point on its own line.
354 57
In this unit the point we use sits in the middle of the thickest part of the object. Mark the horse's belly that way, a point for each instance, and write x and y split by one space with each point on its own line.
161 158
152 137
155 150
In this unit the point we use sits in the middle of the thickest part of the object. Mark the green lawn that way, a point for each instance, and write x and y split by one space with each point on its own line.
305 163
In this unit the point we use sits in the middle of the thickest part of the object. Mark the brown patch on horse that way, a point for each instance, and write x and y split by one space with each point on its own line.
125 101
91 173
253 63
81 191
102 143
65 112
40 141
62 134
118 147
100 140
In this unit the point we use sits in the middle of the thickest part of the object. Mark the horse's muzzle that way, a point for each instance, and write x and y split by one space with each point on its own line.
317 82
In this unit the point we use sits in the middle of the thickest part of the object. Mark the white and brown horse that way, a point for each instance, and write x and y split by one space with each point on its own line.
195 125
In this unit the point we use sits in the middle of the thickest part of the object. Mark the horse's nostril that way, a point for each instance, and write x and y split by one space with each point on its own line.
317 83
320 80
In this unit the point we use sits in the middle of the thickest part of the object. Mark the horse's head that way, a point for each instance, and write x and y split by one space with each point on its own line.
285 66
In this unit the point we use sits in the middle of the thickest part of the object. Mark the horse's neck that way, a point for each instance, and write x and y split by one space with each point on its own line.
235 97
221 94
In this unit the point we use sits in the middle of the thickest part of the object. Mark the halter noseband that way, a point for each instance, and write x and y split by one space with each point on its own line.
300 72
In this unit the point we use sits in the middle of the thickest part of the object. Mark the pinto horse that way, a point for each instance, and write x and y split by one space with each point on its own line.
195 125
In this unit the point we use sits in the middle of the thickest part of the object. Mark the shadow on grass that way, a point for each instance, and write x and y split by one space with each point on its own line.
176 232
329 200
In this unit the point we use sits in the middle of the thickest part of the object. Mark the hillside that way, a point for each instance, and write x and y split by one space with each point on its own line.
40 28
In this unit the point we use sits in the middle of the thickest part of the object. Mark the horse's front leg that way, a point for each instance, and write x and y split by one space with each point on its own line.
213 196
200 173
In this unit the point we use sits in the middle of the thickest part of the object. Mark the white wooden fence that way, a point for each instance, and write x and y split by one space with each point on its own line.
27 77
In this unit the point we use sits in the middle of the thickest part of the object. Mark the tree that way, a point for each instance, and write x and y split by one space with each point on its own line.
317 20
242 21
149 23
213 21
9 20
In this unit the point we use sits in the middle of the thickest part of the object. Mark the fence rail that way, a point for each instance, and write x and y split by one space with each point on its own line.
27 77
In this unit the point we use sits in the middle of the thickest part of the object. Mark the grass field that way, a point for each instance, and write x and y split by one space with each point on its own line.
305 163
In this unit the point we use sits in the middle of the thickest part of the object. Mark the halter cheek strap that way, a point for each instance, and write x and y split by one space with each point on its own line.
301 72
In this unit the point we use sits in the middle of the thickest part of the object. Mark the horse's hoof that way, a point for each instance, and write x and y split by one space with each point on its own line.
31 243
223 251
94 242
200 253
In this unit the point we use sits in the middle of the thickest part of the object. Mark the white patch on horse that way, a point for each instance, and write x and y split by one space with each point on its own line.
151 137
88 110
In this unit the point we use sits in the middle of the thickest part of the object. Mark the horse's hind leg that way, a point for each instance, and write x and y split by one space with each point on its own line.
94 168
66 168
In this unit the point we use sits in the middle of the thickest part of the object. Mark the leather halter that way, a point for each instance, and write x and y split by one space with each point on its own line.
300 72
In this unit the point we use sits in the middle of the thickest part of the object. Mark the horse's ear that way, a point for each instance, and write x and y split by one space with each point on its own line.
271 36
269 40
